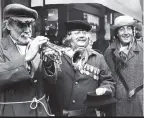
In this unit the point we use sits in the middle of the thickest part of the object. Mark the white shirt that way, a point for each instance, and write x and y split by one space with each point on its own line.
20 48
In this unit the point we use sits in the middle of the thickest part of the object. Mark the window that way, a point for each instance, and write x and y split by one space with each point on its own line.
51 22
94 22
51 25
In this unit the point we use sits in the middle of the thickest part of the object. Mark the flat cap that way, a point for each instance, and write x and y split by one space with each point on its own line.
77 24
20 12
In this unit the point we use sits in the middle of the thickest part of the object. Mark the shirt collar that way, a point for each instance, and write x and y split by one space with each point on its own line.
14 41
133 46
91 51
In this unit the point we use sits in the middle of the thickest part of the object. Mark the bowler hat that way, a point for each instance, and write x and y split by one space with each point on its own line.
122 21
98 101
77 25
20 12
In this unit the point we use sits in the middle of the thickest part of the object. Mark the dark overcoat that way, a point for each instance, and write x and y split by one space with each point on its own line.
133 75
16 84
72 86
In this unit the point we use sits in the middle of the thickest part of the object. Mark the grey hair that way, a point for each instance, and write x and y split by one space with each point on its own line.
67 40
5 30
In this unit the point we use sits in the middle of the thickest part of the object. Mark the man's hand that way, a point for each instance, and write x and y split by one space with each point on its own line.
101 91
34 46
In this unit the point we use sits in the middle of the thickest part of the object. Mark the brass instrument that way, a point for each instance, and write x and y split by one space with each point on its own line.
79 58
58 49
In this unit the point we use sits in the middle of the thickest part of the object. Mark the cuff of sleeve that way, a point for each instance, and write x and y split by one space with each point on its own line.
29 68
108 90
50 69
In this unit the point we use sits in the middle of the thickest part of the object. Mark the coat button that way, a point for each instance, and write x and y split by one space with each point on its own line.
11 91
73 101
17 70
76 83
35 81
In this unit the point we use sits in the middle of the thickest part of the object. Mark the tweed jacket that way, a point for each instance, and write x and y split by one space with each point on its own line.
133 76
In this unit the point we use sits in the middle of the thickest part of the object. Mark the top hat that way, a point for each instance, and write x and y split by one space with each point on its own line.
77 25
20 12
122 21
99 101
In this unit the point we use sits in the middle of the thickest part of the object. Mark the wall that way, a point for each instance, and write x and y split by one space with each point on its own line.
0 19
23 2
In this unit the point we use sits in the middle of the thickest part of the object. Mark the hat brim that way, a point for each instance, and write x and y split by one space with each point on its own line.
23 19
99 103
78 25
99 100
113 27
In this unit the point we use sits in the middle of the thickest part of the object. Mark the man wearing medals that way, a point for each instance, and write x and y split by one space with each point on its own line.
79 73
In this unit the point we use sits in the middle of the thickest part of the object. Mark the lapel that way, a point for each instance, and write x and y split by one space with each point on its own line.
91 52
68 59
130 55
132 51
9 48
114 46
67 67
11 52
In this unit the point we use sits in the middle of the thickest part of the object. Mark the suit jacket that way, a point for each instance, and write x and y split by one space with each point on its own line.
16 84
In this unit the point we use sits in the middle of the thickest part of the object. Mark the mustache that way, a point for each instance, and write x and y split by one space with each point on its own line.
26 35
82 39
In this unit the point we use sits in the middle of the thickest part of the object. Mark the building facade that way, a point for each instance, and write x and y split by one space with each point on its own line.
53 16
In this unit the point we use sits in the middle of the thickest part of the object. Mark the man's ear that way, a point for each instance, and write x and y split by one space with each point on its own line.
69 33
8 26
88 35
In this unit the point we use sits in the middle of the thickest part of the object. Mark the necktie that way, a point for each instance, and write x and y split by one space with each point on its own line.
123 56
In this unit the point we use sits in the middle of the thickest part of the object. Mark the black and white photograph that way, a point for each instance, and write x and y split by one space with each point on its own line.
65 58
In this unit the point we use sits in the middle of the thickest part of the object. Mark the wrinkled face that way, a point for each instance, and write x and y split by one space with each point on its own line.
79 38
125 34
19 31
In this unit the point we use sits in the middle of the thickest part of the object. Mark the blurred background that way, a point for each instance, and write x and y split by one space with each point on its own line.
99 13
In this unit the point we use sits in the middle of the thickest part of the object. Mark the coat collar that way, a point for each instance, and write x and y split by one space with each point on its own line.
90 52
134 48
10 50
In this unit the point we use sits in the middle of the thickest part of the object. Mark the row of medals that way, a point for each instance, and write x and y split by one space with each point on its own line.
90 71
